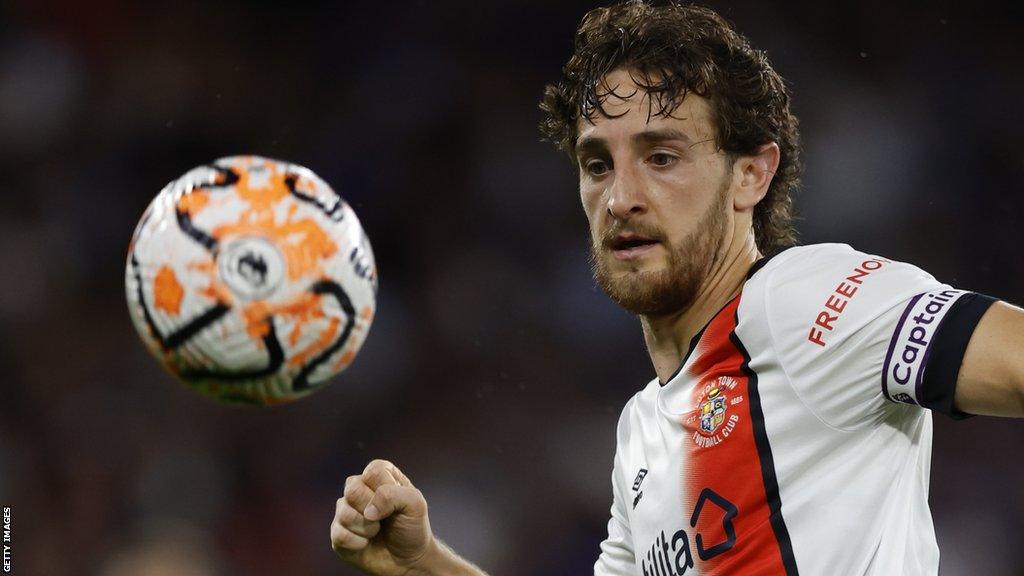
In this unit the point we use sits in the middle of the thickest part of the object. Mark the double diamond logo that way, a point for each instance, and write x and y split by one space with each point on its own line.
636 486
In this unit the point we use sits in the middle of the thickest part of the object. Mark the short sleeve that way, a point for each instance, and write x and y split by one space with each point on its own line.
856 333
617 557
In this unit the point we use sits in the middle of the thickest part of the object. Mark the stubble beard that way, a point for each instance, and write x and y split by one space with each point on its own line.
675 287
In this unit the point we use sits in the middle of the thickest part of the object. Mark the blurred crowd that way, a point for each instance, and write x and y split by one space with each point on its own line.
495 370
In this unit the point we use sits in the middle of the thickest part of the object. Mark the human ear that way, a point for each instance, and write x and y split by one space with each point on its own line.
755 173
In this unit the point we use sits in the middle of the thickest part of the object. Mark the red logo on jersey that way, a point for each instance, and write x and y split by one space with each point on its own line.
713 421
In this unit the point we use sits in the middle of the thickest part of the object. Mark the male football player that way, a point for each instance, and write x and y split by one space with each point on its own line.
789 428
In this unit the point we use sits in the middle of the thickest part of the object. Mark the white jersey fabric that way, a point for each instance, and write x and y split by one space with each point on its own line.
793 439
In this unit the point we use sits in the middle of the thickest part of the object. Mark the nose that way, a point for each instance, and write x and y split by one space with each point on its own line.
626 197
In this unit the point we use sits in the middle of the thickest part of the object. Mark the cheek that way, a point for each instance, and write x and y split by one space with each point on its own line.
674 197
679 204
590 199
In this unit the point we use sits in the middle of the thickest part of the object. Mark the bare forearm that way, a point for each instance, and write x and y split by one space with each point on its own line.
443 561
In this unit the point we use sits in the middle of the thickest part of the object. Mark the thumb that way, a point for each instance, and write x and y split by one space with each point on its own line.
393 499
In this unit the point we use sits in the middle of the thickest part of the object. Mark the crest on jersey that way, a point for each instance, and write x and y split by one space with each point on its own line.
712 412
714 417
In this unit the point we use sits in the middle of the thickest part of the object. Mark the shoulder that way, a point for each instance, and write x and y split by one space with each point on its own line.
806 264
827 292
799 277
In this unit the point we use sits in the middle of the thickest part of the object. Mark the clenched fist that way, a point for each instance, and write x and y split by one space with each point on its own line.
381 527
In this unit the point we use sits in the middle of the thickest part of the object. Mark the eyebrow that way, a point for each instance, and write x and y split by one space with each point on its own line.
593 144
663 135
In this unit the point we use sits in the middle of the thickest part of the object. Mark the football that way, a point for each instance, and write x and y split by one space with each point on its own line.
251 280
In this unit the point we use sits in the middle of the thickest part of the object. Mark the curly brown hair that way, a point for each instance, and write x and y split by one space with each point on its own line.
672 50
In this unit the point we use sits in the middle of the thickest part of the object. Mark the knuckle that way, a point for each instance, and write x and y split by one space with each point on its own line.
338 547
336 536
348 515
356 494
377 478
419 502
351 482
377 463
401 477
383 500
342 539
372 475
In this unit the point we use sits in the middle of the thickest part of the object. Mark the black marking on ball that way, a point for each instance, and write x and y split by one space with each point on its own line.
190 230
228 177
335 211
153 331
175 339
334 289
275 358
185 333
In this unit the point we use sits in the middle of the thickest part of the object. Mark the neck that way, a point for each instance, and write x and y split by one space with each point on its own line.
668 336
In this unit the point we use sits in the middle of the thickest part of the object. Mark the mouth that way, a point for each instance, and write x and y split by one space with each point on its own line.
628 246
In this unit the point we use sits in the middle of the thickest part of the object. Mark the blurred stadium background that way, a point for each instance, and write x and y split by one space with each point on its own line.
495 371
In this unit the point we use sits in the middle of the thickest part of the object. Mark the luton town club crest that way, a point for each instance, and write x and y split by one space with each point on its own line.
715 418
712 412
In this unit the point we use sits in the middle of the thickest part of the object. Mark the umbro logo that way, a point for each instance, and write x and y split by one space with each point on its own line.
636 486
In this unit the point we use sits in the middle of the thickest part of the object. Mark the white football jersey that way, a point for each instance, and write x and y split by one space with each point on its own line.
793 439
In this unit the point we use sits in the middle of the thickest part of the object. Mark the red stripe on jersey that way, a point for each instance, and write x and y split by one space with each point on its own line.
732 524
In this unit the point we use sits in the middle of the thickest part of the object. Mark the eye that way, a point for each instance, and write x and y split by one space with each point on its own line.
596 167
661 159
